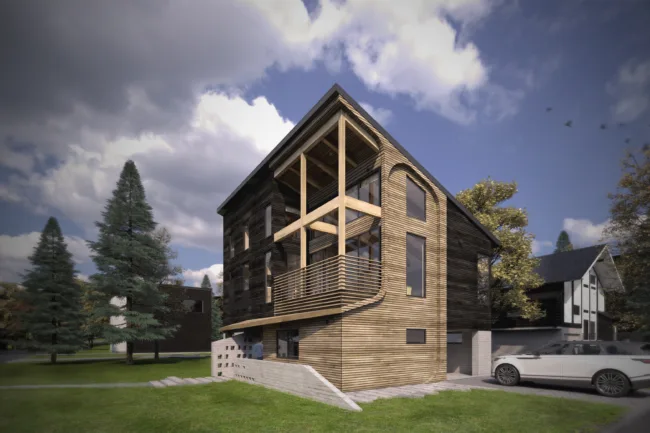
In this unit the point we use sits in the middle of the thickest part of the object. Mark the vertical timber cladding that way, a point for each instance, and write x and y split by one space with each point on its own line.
375 353
464 242
319 347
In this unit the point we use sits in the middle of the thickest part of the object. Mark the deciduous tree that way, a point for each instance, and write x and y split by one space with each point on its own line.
512 264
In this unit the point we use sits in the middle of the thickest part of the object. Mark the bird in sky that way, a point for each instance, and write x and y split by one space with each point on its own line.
603 126
569 123
548 109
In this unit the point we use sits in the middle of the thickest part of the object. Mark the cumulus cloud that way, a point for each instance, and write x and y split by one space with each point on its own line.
15 250
195 277
630 89
540 247
381 115
584 233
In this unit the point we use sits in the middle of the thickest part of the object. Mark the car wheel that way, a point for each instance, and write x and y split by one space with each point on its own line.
612 383
507 375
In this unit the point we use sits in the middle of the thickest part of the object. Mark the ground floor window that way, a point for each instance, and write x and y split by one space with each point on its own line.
287 343
416 336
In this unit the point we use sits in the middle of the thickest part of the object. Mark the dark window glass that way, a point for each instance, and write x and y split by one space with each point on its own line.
246 276
366 190
351 214
415 265
415 200
268 277
553 349
585 349
483 278
287 343
352 247
292 215
268 214
576 310
454 338
231 247
193 306
416 336
592 280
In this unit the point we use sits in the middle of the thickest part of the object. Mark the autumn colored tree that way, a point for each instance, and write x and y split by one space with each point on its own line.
512 263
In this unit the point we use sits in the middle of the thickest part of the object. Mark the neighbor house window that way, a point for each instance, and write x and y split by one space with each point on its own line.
415 200
483 278
193 306
246 241
416 336
592 279
287 344
246 276
267 221
268 277
576 310
415 265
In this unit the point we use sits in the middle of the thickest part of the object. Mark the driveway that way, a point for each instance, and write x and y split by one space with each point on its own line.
636 420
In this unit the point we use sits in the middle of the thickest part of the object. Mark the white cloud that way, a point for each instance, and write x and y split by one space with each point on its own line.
195 277
540 247
631 91
584 233
15 250
381 115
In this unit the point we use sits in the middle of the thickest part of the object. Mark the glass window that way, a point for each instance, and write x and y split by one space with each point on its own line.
366 190
576 310
592 279
416 336
246 276
455 338
553 349
287 343
231 247
193 306
585 349
415 200
268 277
415 265
268 214
351 214
352 247
483 278
246 241
291 215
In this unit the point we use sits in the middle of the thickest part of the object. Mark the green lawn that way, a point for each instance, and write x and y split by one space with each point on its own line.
239 407
110 370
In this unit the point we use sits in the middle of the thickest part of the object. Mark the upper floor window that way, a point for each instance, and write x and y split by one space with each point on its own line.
367 190
415 265
193 306
267 221
231 247
246 240
592 279
268 277
246 275
415 200
483 278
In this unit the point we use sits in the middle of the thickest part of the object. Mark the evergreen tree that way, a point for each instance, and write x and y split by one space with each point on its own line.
513 268
216 318
563 243
90 300
205 284
53 318
129 260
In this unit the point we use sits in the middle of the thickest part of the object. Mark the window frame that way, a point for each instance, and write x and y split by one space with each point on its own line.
268 221
290 343
424 266
247 243
424 204
415 339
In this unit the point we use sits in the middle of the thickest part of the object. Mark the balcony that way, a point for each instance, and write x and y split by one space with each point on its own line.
331 283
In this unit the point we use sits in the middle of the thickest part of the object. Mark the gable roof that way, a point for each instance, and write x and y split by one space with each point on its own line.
331 94
567 265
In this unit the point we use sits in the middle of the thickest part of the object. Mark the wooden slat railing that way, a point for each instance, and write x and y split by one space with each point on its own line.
330 283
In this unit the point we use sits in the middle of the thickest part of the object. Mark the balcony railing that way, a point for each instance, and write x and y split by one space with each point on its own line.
330 283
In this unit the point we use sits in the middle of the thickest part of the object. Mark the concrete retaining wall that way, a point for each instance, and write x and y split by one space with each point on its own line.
297 379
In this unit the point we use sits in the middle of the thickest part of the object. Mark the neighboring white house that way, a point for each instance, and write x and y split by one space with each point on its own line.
118 321
573 297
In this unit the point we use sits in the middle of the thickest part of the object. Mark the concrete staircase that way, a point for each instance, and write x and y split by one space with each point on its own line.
177 381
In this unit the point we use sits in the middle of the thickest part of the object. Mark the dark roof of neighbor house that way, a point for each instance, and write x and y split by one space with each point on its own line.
332 93
567 265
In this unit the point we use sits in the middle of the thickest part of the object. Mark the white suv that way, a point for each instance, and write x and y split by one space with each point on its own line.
614 368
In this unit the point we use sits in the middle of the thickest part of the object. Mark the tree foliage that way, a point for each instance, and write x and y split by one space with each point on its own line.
205 284
91 300
563 242
12 305
512 265
216 307
53 319
630 227
130 261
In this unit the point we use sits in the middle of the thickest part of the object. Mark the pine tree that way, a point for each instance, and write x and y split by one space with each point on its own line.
53 319
129 261
563 242
205 284
216 318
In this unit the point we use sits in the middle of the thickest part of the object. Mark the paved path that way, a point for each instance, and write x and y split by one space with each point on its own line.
408 391
637 400
170 381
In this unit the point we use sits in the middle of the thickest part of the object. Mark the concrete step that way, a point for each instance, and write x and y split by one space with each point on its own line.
191 381
157 384
178 380
169 382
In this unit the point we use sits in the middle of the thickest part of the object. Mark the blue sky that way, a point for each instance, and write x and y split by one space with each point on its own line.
464 86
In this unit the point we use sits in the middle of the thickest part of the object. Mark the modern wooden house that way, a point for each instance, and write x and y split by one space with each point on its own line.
341 251
572 297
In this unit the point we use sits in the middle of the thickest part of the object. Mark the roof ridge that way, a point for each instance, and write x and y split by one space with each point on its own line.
571 251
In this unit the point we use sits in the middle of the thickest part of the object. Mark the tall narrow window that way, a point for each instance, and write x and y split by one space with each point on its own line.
268 277
267 221
231 247
415 265
415 200
483 279
246 276
246 241
287 344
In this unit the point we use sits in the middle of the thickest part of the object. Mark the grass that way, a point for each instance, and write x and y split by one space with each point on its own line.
239 407
109 370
